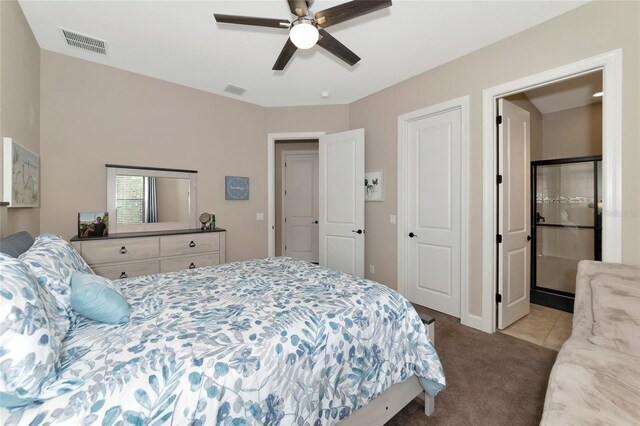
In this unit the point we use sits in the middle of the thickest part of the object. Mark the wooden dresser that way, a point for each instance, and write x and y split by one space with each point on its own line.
142 253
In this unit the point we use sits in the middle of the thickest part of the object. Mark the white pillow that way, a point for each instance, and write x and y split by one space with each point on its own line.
616 314
29 346
53 260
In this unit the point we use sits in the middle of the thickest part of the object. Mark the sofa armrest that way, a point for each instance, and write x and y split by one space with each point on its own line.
583 308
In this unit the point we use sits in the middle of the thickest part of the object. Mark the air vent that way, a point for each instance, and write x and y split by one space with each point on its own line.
85 42
236 90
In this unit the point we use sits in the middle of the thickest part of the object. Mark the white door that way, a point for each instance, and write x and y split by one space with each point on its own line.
341 230
514 216
434 194
300 206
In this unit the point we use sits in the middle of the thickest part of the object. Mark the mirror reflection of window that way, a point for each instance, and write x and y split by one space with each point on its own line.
148 199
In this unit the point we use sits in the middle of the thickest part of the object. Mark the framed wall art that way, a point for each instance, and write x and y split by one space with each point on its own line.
236 188
21 175
374 186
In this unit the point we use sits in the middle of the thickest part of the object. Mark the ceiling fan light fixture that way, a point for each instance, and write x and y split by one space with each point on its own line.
303 34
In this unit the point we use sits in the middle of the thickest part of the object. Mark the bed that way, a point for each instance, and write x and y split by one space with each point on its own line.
273 341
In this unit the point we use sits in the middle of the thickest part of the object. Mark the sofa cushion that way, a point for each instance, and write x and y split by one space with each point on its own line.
616 315
588 270
592 385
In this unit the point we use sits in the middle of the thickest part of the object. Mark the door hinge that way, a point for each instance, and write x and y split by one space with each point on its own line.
498 238
499 179
498 120
498 298
285 220
285 164
285 248
285 192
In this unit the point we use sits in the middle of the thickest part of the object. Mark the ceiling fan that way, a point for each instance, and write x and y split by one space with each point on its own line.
306 31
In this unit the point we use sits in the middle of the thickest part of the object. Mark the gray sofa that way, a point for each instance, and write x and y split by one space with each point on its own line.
596 377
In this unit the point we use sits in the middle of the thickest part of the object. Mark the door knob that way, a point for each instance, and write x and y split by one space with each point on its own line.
528 237
192 244
123 275
315 221
359 231
123 250
192 266
411 235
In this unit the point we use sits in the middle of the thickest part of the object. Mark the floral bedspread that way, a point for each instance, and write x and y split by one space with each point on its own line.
274 341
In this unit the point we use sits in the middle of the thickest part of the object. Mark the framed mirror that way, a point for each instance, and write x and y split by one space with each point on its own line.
150 199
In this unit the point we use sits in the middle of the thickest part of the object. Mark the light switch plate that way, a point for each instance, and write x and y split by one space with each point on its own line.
259 216
392 219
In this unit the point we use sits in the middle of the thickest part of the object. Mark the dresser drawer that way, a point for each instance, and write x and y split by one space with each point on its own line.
189 262
135 269
178 245
120 250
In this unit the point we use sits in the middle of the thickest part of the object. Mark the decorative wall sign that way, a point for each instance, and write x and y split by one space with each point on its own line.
373 186
21 175
236 188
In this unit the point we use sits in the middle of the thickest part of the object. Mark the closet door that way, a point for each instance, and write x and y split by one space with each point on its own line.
434 194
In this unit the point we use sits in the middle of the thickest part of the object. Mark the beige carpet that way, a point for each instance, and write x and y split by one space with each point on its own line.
492 379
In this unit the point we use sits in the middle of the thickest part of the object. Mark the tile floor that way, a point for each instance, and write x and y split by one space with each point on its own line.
543 326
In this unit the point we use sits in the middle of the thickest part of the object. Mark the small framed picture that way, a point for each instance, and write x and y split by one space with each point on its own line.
374 186
93 224
236 188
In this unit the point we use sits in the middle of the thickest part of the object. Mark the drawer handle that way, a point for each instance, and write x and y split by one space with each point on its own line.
123 250
192 266
192 244
123 275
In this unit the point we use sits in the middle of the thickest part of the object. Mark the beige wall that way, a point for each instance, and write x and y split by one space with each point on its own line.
288 145
575 132
19 98
563 40
93 114
172 199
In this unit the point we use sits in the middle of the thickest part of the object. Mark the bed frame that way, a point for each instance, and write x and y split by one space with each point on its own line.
384 407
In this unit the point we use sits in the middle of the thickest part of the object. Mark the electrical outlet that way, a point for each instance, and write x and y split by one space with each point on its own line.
259 216
392 219
372 269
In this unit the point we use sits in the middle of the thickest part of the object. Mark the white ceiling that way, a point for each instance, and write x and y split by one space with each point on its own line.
179 41
567 94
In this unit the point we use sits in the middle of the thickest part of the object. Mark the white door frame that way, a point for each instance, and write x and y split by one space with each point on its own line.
271 179
283 185
461 103
611 65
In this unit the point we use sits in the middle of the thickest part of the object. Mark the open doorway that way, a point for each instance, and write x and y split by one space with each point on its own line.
611 65
296 199
561 205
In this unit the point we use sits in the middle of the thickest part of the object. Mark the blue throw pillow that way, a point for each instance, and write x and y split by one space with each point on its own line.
98 298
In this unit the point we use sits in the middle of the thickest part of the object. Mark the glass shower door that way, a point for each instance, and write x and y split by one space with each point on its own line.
566 226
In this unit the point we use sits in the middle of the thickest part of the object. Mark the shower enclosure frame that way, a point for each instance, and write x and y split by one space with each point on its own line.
547 296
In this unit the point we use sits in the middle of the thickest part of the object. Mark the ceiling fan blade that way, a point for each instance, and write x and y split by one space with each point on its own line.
344 12
285 55
332 45
249 20
298 7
